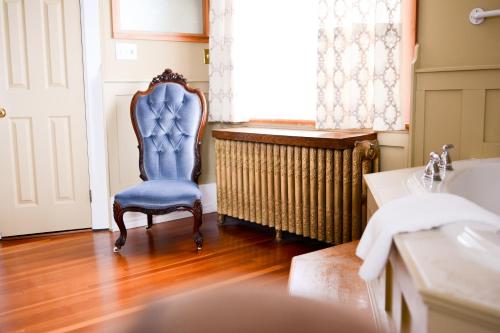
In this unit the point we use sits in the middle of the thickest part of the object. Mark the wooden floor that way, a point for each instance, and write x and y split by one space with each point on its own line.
75 282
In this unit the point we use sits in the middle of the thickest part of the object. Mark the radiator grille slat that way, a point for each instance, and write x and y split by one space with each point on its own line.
297 168
246 191
337 197
234 184
251 182
270 186
264 188
276 202
284 188
346 195
314 192
306 217
329 206
239 178
258 184
290 189
321 195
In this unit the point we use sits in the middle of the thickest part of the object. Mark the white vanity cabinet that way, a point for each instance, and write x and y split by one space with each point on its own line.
432 283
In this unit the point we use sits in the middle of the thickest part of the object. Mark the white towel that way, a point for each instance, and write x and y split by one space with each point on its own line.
409 214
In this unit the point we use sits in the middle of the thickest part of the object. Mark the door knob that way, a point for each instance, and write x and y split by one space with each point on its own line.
3 112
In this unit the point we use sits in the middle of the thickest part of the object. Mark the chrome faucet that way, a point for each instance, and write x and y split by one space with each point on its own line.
445 162
432 169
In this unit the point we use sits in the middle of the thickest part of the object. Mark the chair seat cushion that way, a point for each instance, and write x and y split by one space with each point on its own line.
159 194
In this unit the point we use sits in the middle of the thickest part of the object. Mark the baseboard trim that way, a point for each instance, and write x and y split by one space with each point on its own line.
136 220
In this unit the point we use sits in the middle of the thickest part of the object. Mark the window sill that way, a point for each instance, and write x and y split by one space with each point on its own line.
285 122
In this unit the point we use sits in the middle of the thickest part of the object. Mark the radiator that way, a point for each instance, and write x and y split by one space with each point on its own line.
313 192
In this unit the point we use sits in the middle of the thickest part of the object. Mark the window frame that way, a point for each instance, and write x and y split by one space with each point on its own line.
290 122
117 33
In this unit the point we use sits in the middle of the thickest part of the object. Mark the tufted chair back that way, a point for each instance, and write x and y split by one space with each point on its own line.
168 121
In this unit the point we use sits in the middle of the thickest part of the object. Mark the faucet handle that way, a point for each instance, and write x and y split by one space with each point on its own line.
446 158
434 157
432 170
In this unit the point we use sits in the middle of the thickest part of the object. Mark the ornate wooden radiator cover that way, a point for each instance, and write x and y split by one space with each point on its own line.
309 183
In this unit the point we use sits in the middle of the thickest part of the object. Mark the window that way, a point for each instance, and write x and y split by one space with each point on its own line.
336 63
277 46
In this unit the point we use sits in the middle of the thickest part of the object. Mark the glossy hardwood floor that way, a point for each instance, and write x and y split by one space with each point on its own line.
75 282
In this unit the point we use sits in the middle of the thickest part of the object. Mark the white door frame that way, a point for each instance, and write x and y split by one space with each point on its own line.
94 111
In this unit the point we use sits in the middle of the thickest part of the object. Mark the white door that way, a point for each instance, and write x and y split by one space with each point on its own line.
44 181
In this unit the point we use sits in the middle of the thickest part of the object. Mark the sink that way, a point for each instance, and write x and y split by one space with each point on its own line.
479 242
479 182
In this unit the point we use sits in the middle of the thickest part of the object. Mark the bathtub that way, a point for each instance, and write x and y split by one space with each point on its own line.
476 180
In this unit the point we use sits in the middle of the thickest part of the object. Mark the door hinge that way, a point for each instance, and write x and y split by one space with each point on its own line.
90 195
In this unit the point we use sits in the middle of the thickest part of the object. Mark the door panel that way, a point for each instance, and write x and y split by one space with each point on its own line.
62 161
15 43
55 43
44 178
24 161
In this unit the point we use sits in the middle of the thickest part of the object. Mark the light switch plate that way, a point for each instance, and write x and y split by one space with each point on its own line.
126 51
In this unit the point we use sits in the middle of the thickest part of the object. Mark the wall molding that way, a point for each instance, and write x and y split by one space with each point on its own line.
94 113
457 69
136 220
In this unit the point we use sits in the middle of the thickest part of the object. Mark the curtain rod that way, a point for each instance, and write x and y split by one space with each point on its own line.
477 15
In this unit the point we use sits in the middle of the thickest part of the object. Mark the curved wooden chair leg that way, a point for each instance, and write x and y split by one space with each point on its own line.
197 214
118 215
150 221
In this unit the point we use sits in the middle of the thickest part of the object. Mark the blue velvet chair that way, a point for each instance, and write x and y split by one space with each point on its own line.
168 120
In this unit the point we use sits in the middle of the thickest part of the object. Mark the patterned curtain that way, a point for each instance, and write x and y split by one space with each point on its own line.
359 57
221 93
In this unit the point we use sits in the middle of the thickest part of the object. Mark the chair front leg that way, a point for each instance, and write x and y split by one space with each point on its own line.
150 221
118 215
197 214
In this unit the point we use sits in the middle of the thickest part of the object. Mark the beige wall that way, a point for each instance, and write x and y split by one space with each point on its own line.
152 56
456 81
448 39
